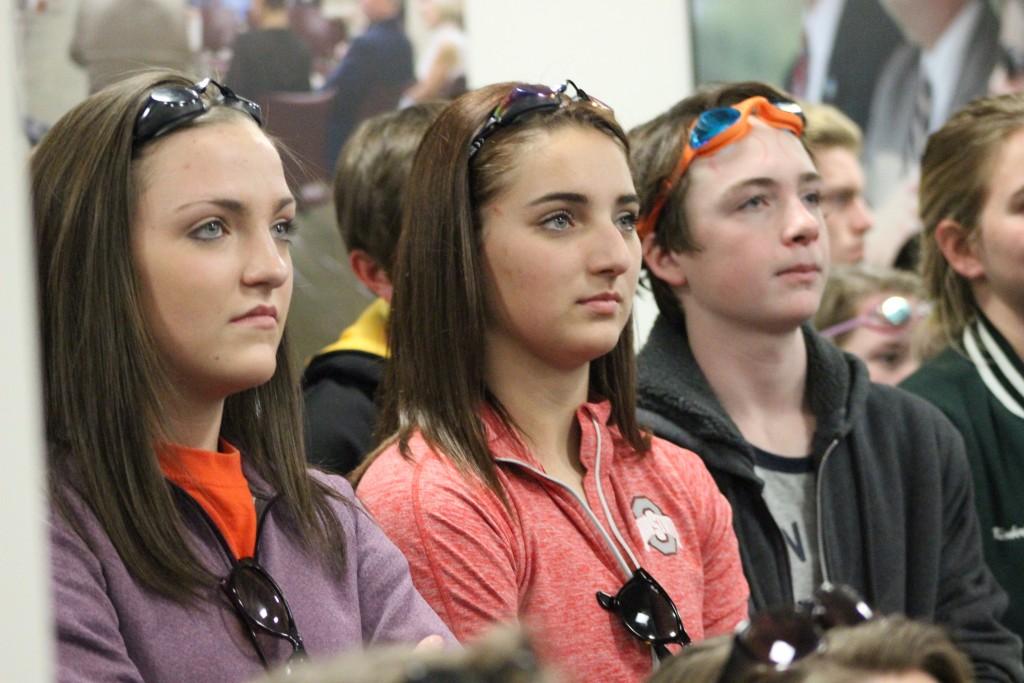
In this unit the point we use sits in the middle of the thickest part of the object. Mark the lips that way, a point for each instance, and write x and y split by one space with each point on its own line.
614 297
801 269
256 313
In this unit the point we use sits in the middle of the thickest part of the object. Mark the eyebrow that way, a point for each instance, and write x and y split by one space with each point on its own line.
577 198
235 206
809 177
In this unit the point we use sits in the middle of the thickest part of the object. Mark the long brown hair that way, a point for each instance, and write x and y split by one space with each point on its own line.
104 378
657 146
434 382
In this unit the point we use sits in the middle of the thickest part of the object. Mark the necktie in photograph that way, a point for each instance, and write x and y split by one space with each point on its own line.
919 122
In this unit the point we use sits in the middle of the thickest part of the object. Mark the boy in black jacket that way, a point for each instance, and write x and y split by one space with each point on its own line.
830 477
340 384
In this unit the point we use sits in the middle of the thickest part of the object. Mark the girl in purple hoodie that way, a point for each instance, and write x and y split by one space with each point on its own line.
189 542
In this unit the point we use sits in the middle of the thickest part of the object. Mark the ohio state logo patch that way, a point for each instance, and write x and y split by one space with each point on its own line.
657 530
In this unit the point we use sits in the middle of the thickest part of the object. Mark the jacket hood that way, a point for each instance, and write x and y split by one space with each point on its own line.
345 367
671 384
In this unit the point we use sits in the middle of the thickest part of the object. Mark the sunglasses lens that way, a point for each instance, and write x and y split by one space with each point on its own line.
260 599
711 123
839 606
896 311
648 612
780 637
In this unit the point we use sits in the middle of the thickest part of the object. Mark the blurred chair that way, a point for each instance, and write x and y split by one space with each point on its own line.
299 121
379 99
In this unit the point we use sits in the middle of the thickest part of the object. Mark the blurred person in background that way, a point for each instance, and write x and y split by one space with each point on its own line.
441 69
340 383
376 69
270 57
1008 76
950 50
832 65
873 313
835 143
114 39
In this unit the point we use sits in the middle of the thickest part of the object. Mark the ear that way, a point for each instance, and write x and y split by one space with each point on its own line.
370 273
666 264
959 249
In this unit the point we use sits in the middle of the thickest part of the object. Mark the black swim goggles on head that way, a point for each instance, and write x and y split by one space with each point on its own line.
528 98
168 107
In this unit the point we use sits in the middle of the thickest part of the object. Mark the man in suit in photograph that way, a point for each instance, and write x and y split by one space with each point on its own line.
951 47
845 46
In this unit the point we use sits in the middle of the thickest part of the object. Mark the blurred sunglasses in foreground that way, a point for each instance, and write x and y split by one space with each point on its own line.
647 612
715 128
779 637
169 107
529 98
893 314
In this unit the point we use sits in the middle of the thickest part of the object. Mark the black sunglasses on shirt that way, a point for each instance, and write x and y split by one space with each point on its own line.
260 604
648 613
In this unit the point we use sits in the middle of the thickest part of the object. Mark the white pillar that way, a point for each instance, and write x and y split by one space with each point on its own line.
26 627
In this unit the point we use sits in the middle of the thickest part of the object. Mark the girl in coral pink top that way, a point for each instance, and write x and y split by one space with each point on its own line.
514 475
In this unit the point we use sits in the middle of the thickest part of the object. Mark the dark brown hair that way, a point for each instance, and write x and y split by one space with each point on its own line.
434 382
371 178
656 148
104 378
956 171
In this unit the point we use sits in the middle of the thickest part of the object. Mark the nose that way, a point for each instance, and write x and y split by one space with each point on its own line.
863 218
268 263
613 251
803 223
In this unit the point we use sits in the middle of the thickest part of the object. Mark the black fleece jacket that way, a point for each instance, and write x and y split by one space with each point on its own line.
896 517
339 391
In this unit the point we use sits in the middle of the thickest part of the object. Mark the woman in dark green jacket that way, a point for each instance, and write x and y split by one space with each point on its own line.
972 208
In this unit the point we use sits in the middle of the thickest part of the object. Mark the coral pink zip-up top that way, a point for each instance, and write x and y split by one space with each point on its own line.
541 560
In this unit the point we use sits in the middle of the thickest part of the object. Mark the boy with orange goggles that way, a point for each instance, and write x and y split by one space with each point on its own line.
716 128
830 477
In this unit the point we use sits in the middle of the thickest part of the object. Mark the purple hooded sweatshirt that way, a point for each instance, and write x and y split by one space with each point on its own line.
112 628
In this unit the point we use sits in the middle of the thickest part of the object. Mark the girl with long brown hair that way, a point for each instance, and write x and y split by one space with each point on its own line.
189 542
513 474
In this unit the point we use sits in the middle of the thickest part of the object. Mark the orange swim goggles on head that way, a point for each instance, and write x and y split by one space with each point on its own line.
715 128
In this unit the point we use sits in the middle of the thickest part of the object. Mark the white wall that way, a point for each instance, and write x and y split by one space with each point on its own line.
24 572
634 55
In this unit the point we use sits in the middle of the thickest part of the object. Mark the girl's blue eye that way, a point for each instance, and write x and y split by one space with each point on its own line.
813 198
284 230
209 231
559 221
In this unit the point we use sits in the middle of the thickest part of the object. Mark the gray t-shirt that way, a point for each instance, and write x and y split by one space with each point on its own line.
789 492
